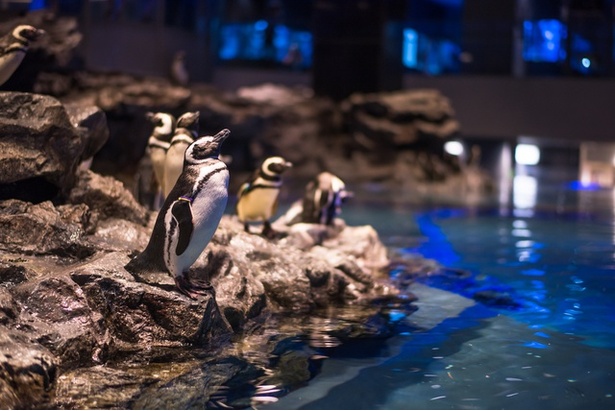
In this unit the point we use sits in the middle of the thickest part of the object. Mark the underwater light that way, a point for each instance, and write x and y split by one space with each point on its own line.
454 148
527 154
586 62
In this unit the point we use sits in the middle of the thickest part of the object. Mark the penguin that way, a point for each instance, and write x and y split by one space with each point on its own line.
179 73
189 216
159 143
13 49
258 197
323 199
186 131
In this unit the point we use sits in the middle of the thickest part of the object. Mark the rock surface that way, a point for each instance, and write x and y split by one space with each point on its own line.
40 148
64 287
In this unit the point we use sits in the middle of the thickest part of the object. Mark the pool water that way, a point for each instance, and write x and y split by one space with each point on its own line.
554 256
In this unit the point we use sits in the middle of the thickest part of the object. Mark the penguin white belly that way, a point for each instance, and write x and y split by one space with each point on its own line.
207 210
158 155
173 166
9 64
258 205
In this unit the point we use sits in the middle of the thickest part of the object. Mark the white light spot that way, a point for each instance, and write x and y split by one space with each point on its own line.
454 148
527 154
586 62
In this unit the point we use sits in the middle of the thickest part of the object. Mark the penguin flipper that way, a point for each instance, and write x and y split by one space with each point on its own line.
245 187
182 213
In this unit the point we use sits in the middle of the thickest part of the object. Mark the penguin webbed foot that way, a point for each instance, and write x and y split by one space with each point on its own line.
269 233
193 288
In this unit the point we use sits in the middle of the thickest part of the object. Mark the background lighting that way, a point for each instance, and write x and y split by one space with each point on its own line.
527 154
454 148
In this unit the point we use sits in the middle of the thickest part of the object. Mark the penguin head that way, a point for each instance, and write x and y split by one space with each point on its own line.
189 121
164 124
274 166
205 147
26 34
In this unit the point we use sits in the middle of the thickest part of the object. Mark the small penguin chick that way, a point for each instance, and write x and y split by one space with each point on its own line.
189 216
258 197
186 131
13 48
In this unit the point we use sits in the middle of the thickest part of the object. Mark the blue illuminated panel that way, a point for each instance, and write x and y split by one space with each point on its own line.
259 41
542 41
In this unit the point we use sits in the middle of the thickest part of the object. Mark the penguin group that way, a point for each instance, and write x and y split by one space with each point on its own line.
194 182
189 216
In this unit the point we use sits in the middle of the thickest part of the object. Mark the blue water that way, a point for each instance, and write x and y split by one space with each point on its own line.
554 256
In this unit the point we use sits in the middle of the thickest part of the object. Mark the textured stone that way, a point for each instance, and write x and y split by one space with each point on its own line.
39 147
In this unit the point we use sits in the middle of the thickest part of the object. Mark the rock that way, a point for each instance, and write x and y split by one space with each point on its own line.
42 229
400 118
28 372
39 147
107 197
94 123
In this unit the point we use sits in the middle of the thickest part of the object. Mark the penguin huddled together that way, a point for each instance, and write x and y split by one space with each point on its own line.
189 216
13 49
167 144
195 183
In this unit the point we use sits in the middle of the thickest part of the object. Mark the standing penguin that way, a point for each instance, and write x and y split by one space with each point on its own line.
179 73
189 216
159 143
323 199
13 48
185 133
258 197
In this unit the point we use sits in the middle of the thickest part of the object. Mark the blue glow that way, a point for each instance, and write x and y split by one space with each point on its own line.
429 55
289 47
37 5
410 48
261 25
586 62
582 186
542 41
534 344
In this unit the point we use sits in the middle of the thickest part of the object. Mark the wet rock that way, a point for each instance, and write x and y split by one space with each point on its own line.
107 197
57 315
39 147
28 371
40 229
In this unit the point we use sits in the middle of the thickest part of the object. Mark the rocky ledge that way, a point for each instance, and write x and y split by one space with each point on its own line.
79 331
68 308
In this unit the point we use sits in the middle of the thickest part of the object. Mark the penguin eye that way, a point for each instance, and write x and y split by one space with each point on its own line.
204 151
276 168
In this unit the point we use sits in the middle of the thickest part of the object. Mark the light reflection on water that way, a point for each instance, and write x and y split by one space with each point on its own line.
553 250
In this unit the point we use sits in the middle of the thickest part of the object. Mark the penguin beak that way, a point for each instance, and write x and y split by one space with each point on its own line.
149 115
33 34
288 164
222 135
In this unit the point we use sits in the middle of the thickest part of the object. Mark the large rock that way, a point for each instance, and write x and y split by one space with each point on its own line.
39 147
93 121
107 197
44 229
28 372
